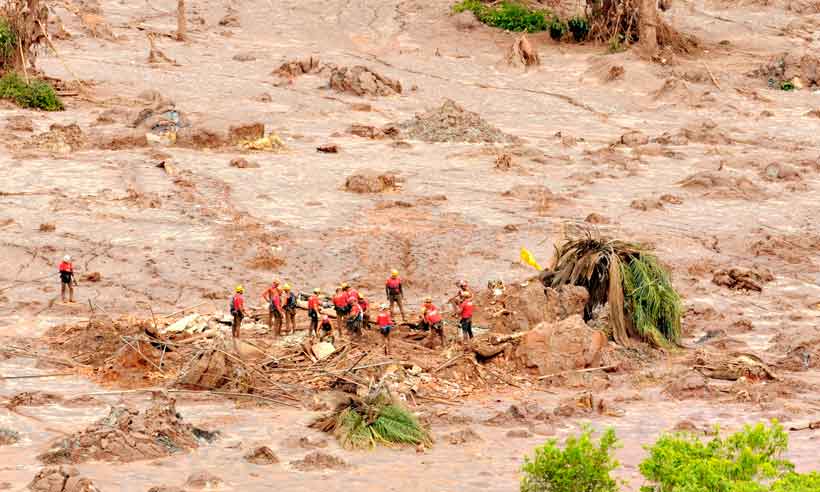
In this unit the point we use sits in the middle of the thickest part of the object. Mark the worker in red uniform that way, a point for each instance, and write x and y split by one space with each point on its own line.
385 322
431 319
237 310
273 296
365 311
313 313
354 317
326 328
394 291
457 299
466 310
351 292
341 306
67 279
289 308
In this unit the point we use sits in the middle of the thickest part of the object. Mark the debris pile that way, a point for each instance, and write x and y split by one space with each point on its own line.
262 455
294 68
362 81
60 139
317 461
61 479
452 123
733 366
743 278
790 71
127 435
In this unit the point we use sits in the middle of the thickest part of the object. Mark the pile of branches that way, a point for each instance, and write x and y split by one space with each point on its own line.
624 22
375 419
22 26
638 289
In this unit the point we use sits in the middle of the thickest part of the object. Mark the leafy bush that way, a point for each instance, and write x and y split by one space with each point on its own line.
683 463
508 15
579 27
616 44
36 94
787 85
558 29
581 466
8 41
797 482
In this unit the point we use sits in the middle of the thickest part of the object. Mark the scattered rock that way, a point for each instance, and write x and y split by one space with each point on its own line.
615 72
743 278
262 456
519 434
671 199
779 171
595 218
8 436
553 347
791 66
242 163
465 21
503 161
368 181
230 20
452 123
92 277
19 123
47 227
318 460
33 399
61 479
328 149
244 57
127 435
585 404
463 436
202 480
60 139
646 204
634 138
294 68
362 81
373 133
723 184
246 132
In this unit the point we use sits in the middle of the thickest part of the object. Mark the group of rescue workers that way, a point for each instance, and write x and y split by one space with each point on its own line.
352 311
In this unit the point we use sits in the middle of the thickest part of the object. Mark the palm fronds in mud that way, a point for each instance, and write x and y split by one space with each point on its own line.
375 419
638 288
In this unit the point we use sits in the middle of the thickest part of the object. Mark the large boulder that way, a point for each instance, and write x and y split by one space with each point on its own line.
556 346
524 306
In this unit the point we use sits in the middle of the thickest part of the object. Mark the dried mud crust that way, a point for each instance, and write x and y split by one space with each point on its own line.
361 81
317 461
127 435
452 123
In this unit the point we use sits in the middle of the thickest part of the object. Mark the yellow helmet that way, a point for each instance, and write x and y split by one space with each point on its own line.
240 289
275 281
286 287
394 273
428 299
345 285
317 290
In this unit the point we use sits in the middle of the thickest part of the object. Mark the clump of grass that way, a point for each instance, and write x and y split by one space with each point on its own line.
508 15
787 85
35 94
558 29
616 44
8 41
579 27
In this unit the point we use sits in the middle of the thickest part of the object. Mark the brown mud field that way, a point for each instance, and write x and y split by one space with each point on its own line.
397 137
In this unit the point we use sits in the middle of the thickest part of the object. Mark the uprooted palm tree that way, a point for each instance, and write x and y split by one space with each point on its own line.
375 419
642 301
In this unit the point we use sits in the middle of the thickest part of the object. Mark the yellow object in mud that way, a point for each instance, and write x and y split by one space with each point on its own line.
270 142
527 258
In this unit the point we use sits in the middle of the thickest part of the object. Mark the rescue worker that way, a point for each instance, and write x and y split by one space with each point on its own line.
273 296
385 322
395 293
457 299
365 312
354 317
351 292
431 319
326 328
237 310
314 312
466 311
67 280
289 310
340 305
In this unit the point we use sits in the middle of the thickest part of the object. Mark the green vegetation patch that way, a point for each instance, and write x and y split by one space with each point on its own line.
35 94
511 16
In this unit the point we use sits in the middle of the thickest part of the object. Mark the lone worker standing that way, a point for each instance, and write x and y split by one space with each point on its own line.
290 310
67 280
273 296
395 293
466 309
313 313
237 310
340 305
385 322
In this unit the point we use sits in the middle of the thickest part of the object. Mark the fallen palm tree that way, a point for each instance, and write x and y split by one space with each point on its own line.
375 419
638 289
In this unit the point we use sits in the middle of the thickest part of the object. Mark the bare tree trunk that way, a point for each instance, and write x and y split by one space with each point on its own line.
181 21
648 28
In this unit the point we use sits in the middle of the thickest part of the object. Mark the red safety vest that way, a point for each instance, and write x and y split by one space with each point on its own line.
238 302
313 302
467 309
393 285
340 300
384 320
66 267
431 315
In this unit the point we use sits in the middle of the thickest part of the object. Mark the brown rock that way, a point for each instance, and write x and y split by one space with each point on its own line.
244 57
368 181
362 81
262 456
61 479
201 138
634 138
248 131
92 277
328 149
553 347
202 480
371 132
47 227
230 20
318 460
19 123
242 163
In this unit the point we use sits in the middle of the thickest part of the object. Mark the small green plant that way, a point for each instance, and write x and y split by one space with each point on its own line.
579 27
787 85
36 94
582 465
558 29
797 482
738 463
616 44
8 41
508 15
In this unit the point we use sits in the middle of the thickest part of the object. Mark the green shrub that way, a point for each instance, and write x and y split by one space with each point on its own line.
616 44
579 27
787 85
508 15
738 463
36 94
797 482
558 29
581 466
8 41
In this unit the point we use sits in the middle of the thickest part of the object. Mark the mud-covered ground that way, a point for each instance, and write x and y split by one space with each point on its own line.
723 175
